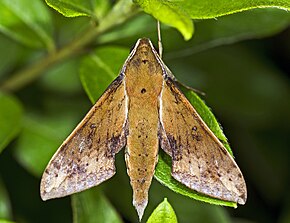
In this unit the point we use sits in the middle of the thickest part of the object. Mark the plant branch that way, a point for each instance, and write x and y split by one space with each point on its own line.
122 11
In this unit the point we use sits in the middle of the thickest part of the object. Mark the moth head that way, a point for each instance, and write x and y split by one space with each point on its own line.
143 44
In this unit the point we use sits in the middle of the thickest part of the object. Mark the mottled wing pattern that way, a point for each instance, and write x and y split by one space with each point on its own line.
86 158
199 160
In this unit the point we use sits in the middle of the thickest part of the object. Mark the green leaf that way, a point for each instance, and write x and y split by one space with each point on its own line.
27 23
10 119
163 213
223 31
204 9
99 69
166 12
73 8
5 207
179 13
92 206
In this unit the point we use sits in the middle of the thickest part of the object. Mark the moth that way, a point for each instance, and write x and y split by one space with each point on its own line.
142 110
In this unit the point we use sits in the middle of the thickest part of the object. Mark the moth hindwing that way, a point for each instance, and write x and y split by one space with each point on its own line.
143 109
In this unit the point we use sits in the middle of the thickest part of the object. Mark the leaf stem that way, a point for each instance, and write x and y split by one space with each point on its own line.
122 11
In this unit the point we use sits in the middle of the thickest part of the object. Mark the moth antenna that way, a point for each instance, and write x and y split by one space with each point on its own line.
160 48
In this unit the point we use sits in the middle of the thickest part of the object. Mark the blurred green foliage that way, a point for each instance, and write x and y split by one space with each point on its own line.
10 119
91 206
241 62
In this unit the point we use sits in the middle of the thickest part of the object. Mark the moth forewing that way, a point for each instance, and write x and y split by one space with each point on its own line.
199 159
86 158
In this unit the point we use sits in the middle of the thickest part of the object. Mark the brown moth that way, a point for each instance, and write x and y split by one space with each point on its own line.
141 110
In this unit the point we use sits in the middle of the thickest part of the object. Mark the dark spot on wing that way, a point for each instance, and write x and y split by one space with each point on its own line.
63 147
121 103
171 86
90 137
224 151
196 136
176 153
56 165
114 142
143 91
